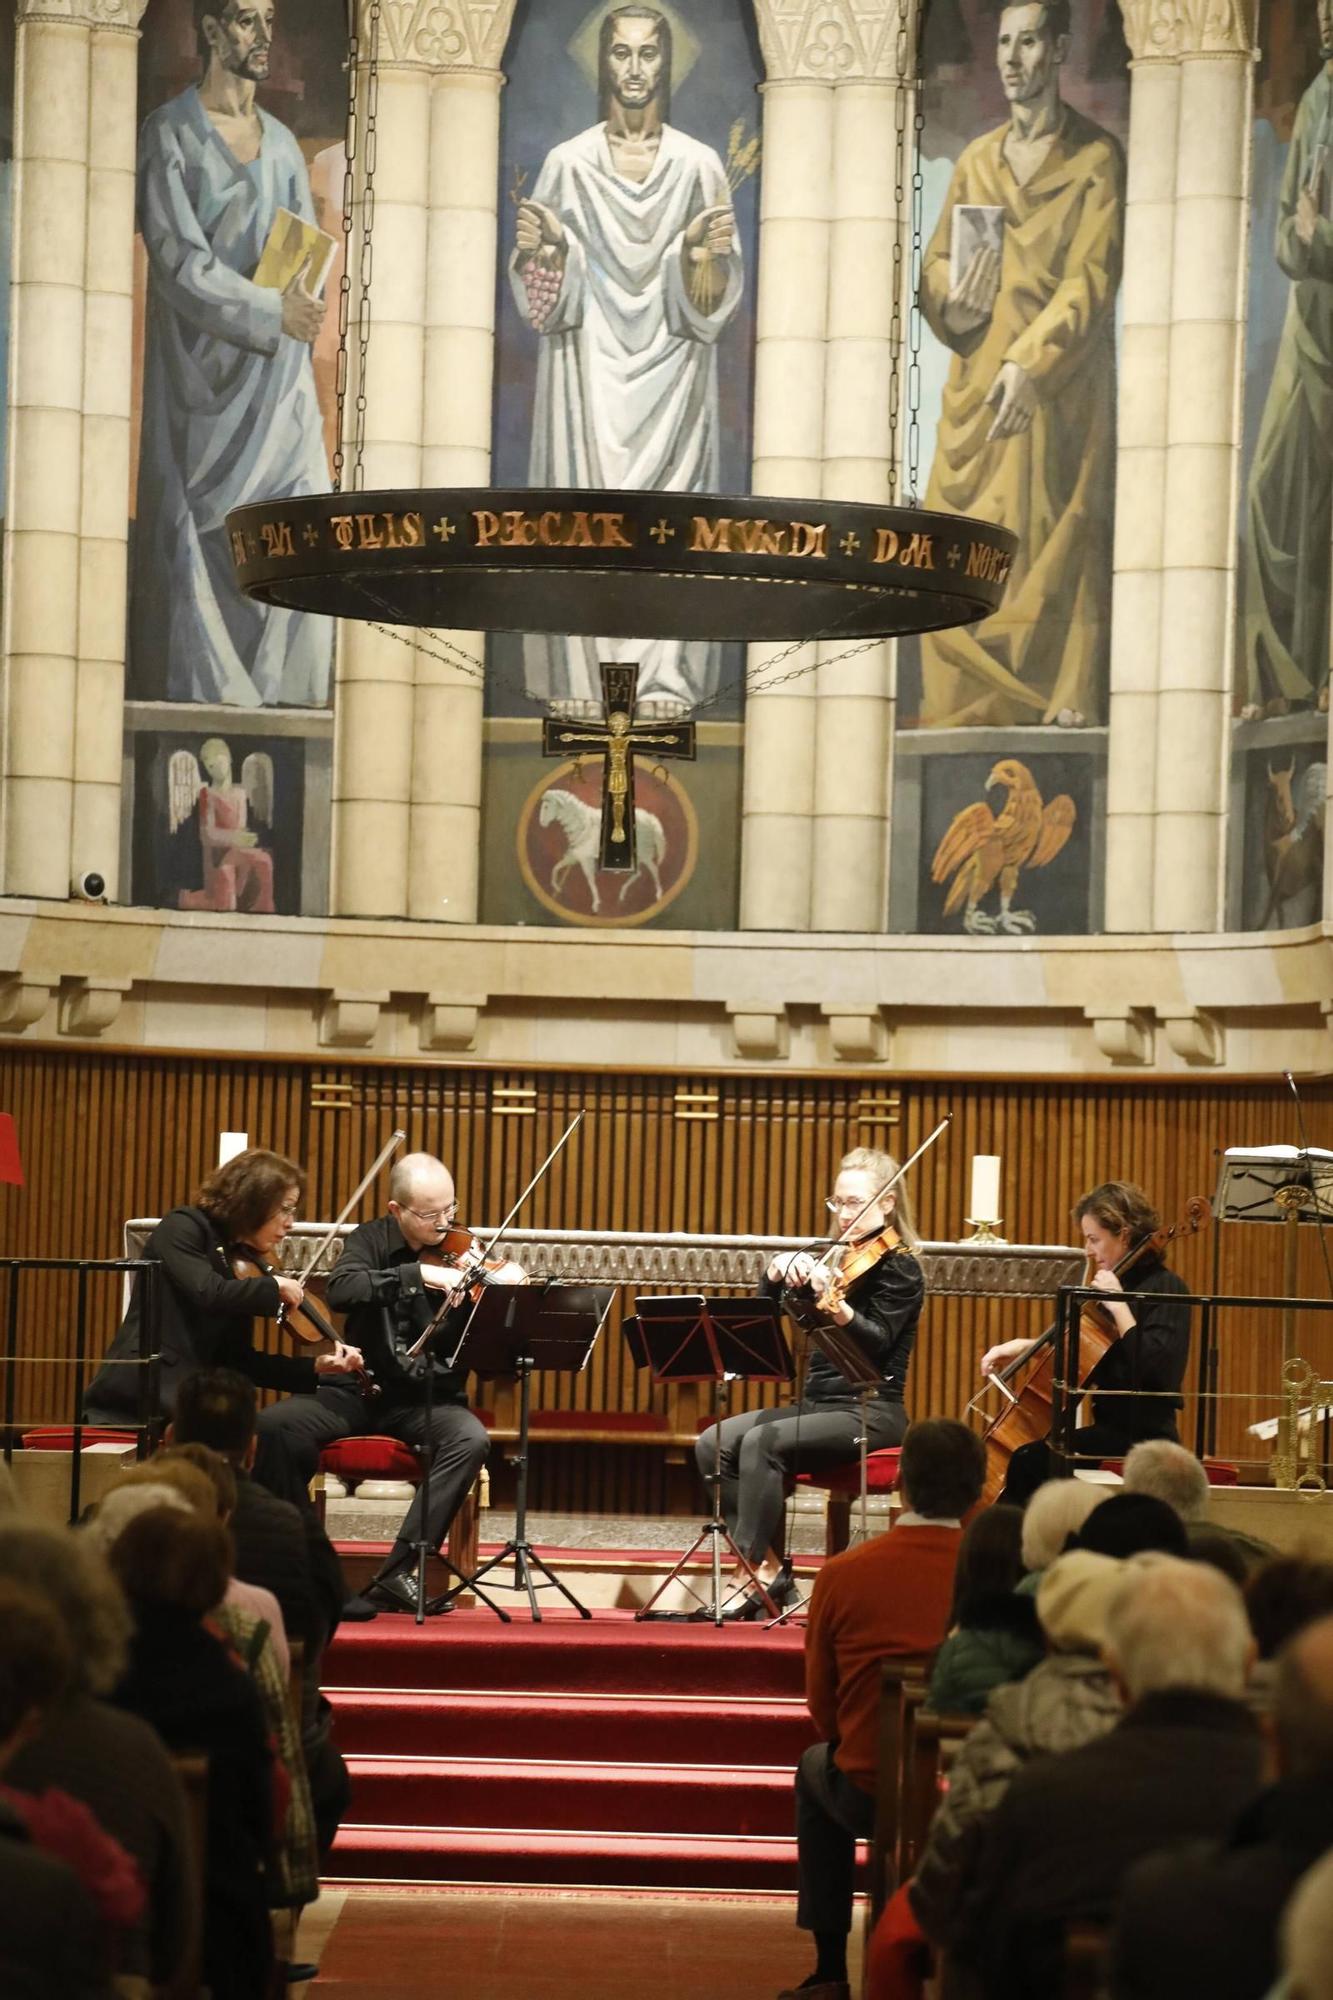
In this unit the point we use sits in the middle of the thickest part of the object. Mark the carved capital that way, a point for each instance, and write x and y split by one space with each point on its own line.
89 1006
1123 1034
439 34
838 41
1152 29
858 1034
23 1000
123 14
350 1020
760 1033
1196 1037
449 1023
1217 27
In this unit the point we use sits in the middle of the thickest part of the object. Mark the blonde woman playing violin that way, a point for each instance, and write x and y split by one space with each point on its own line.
761 1449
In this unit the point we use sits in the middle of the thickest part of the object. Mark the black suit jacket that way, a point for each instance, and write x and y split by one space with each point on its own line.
1179 1766
205 1319
377 1282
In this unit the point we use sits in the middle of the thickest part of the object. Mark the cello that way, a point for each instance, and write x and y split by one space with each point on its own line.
1027 1415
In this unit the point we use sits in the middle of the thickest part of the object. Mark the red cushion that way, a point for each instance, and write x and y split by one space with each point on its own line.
56 1437
370 1458
633 1422
881 1474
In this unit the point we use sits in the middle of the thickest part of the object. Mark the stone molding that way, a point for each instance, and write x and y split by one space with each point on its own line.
350 1020
760 1033
106 14
1197 1037
838 41
858 1034
440 35
89 1006
1153 29
449 1023
23 1000
1123 1034
1217 27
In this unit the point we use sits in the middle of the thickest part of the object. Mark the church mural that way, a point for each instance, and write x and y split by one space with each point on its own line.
238 261
1026 112
8 29
1279 748
630 157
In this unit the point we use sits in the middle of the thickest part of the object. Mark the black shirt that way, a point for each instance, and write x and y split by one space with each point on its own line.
377 1282
1152 1356
886 1304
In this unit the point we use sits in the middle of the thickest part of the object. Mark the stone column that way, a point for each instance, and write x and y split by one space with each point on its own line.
873 143
41 640
445 833
107 384
1202 461
373 729
790 328
1136 600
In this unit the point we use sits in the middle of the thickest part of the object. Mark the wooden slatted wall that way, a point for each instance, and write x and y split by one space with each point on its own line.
107 1135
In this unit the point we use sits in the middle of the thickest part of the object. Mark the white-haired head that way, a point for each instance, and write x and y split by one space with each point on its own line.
1168 1472
1056 1511
1176 1624
1307 1935
124 1503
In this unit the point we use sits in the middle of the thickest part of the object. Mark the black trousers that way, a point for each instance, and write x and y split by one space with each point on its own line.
1033 1464
832 1814
762 1448
301 1426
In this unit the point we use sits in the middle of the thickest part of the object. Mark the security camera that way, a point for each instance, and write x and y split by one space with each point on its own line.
90 887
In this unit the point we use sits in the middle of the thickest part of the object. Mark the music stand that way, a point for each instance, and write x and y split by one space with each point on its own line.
516 1330
693 1339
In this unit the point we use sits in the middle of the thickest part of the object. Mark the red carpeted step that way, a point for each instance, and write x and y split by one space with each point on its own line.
697 1730
601 1860
576 1798
610 1654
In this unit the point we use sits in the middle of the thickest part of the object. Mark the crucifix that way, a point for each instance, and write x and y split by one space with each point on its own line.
615 739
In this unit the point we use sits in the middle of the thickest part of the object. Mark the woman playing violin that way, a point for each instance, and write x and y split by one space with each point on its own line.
205 1314
390 1280
880 1310
1136 1384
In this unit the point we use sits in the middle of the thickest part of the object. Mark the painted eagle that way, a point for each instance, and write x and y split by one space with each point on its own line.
983 848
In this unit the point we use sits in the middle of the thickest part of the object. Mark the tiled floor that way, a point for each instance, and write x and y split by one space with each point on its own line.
416 1944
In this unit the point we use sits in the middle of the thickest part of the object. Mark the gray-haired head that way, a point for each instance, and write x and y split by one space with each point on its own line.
1056 1511
1168 1472
1177 1624
62 1567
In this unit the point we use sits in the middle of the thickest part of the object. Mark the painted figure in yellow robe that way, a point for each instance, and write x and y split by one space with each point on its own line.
1020 280
1286 617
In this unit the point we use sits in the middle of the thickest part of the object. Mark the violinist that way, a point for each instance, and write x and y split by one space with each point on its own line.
1136 1384
390 1280
205 1314
880 1309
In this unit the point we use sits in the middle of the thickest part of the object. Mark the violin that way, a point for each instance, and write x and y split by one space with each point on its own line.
464 1251
1028 1415
861 1257
305 1323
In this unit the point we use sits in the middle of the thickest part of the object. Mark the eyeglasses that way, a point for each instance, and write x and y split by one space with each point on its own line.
852 1203
290 1209
435 1215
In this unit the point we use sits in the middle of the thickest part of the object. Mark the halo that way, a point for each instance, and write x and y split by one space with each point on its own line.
582 44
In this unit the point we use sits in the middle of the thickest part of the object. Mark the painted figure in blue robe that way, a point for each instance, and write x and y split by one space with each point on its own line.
230 412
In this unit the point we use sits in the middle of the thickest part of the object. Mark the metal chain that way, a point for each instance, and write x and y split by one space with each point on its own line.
367 247
350 142
896 273
914 309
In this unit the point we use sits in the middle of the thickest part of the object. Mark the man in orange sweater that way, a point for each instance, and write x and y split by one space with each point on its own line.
888 1598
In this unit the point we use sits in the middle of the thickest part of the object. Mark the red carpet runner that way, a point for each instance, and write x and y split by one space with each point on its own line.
606 1753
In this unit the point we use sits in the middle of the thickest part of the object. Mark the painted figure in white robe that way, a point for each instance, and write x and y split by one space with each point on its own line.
627 264
230 412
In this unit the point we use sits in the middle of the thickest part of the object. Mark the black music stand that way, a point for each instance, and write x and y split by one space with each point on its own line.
516 1330
721 1341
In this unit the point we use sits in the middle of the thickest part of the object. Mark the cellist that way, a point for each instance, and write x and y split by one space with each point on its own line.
882 1306
1136 1384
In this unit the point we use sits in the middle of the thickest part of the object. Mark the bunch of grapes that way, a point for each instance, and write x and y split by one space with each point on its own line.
543 277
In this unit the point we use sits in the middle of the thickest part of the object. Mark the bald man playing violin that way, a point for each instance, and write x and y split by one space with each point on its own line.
879 1308
390 1281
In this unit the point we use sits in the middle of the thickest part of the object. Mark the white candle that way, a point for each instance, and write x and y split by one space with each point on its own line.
230 1144
985 1203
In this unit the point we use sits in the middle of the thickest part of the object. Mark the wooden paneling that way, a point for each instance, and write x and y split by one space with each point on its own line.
108 1135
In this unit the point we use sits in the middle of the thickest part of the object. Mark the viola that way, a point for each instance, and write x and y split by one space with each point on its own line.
1027 1416
305 1323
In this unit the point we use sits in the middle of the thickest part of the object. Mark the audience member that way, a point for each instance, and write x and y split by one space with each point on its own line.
261 1605
1205 1920
1056 1511
52 1940
994 1636
1169 1472
173 1566
884 1600
1130 1524
1307 1936
1179 1764
1068 1700
113 1762
285 1549
1284 1597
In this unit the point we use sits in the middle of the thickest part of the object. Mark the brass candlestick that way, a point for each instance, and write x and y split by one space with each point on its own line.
984 1231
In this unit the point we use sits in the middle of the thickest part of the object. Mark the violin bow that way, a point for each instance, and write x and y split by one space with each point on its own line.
890 1184
420 1345
353 1198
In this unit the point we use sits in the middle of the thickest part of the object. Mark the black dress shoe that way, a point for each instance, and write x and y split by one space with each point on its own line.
358 1609
396 1592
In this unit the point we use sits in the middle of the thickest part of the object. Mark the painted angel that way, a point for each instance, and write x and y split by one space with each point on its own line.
237 871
